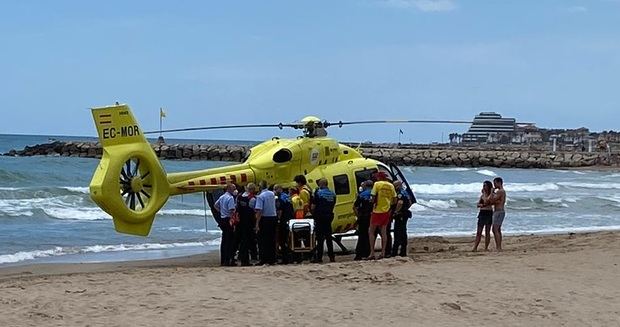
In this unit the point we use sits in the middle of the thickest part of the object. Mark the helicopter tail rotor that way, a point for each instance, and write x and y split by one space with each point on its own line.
129 183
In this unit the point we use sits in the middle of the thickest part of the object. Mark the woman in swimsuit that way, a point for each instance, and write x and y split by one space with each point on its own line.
485 216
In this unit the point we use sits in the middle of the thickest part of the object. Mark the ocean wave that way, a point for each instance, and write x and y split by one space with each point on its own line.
599 186
438 204
191 230
184 212
437 189
457 169
72 203
486 172
60 251
77 189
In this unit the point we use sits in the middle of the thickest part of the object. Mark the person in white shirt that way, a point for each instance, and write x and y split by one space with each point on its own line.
226 206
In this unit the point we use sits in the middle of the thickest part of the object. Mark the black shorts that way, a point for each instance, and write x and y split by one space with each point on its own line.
485 217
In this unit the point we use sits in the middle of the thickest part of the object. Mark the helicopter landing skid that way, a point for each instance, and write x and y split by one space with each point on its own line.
338 240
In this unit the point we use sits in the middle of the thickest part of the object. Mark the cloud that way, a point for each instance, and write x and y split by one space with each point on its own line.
423 5
576 9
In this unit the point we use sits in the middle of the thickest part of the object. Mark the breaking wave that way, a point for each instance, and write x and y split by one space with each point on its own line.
604 186
60 251
63 202
476 187
486 172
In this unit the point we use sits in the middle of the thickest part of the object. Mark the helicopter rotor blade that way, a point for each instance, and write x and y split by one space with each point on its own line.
417 121
205 128
302 125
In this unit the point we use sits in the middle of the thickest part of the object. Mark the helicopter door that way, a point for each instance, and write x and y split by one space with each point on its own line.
401 177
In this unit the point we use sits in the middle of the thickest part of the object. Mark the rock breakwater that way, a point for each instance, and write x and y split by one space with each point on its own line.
447 156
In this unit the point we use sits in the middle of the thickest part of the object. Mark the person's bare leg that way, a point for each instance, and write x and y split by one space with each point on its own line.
487 237
478 238
499 233
383 240
497 237
372 239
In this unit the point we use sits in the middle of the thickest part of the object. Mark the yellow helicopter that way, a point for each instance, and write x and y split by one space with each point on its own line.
131 185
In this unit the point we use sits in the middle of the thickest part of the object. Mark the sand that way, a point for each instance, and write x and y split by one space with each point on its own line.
559 280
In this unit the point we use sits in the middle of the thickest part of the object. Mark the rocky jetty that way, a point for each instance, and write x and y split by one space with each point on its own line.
408 156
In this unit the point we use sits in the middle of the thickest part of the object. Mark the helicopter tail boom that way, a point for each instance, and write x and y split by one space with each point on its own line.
129 183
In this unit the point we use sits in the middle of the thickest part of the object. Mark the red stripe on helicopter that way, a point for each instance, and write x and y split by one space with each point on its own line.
244 178
213 181
203 182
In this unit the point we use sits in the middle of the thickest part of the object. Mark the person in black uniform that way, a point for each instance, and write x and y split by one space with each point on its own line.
284 209
400 216
323 204
245 207
363 209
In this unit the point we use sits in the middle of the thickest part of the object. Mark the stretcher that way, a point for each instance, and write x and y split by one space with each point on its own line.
301 235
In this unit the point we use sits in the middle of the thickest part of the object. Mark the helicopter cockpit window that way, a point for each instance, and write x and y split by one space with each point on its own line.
341 184
282 156
364 175
247 156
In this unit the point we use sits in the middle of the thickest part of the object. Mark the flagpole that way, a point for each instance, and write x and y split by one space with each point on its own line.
160 120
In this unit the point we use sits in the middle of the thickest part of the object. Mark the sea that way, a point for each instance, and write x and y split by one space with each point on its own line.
47 216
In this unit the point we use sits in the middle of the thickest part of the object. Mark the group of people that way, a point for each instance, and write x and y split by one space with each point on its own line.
378 204
492 213
255 223
255 226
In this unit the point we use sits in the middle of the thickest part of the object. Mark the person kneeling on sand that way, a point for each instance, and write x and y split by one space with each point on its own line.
485 216
499 213
383 195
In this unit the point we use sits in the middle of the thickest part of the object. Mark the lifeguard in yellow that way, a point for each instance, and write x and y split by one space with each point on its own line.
383 195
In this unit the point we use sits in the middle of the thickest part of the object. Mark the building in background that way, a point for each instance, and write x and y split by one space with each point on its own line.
490 127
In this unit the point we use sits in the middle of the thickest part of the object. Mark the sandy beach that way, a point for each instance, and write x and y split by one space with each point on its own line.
555 280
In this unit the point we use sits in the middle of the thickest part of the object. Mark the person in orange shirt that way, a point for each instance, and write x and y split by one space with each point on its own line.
305 193
383 196
298 204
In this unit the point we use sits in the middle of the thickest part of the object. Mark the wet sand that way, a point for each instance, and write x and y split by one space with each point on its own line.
554 280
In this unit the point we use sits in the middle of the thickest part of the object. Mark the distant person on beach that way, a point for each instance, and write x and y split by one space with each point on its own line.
266 225
384 196
226 206
400 216
363 208
485 216
323 213
246 202
305 192
499 213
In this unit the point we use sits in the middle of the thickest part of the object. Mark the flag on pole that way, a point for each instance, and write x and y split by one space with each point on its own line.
162 113
400 131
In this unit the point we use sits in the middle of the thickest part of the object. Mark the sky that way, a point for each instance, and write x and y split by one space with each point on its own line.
552 62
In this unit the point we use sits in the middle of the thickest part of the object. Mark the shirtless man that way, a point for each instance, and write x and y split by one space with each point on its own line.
499 213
